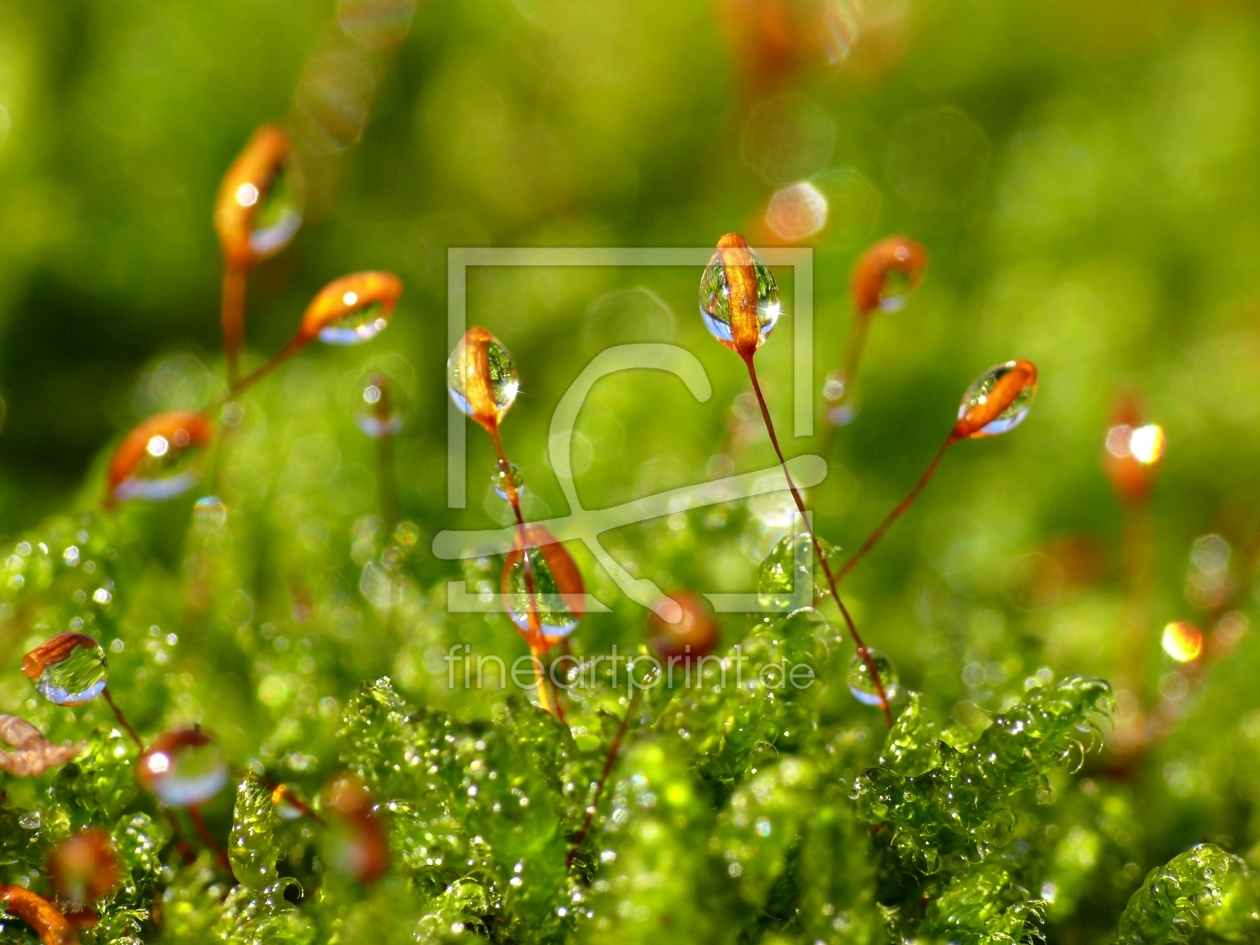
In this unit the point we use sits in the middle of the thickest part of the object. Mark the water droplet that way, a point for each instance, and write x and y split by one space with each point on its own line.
379 414
31 820
998 400
355 844
259 209
558 591
862 684
184 767
209 512
352 309
739 299
696 633
481 377
68 669
84 867
501 477
789 577
158 458
886 274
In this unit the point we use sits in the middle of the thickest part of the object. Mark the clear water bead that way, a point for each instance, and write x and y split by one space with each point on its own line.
158 459
481 377
557 599
739 299
862 683
998 400
68 669
502 476
789 577
183 768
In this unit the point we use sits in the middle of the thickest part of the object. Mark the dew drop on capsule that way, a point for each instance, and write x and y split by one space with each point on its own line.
68 669
352 309
886 274
158 458
481 377
862 685
183 768
998 400
501 477
739 299
259 208
557 601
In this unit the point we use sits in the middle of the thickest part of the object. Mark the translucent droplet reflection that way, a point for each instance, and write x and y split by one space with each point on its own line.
739 299
352 309
998 400
557 600
481 377
501 477
789 577
158 458
183 768
862 683
259 209
210 513
68 669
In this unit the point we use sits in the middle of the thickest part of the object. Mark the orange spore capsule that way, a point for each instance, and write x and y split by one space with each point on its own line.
989 407
351 309
54 650
738 297
1132 452
148 462
243 193
886 274
557 602
357 842
41 915
84 867
696 633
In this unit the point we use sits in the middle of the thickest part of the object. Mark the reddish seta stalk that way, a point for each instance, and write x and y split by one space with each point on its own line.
863 651
548 697
873 539
613 750
122 719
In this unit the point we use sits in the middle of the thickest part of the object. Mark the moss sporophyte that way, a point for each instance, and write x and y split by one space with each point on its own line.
254 571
